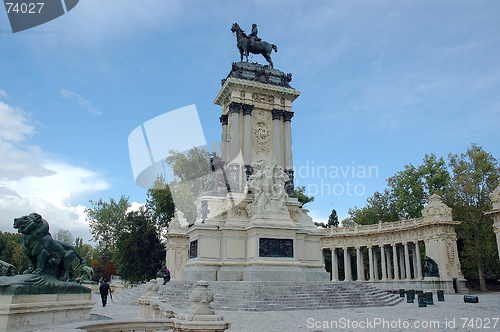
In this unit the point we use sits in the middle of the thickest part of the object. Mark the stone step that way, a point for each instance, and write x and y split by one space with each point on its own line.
258 296
130 296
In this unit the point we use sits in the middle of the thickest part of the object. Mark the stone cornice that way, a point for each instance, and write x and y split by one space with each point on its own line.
231 83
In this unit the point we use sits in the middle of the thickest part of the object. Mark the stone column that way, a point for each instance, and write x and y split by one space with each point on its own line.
389 265
277 136
402 261
382 258
288 165
375 263
223 152
347 265
395 259
233 169
247 133
370 263
414 254
407 262
419 262
335 265
235 130
360 266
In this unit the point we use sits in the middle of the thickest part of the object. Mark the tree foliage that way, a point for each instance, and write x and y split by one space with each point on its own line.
106 221
160 203
140 252
189 169
333 221
475 176
65 236
465 184
300 193
11 250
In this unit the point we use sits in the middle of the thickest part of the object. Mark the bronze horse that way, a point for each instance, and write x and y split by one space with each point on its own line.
261 47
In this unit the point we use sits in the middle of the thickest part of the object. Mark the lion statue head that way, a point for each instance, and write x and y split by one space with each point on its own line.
30 224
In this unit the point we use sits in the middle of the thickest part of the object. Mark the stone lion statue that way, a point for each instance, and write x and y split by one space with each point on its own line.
7 269
45 255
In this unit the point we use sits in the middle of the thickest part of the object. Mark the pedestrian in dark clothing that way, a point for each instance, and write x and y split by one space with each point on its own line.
104 290
166 276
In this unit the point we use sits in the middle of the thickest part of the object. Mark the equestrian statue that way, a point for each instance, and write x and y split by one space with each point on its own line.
252 44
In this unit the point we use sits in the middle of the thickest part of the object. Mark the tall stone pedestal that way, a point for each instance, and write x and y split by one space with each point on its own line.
27 310
253 228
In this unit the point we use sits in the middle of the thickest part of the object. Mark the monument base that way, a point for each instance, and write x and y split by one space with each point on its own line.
427 284
28 310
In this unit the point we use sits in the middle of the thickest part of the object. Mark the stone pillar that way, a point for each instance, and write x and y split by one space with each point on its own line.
402 261
359 264
235 130
419 262
288 165
335 265
375 264
495 213
347 265
370 263
414 255
277 136
223 152
287 127
395 260
389 265
247 133
407 261
382 258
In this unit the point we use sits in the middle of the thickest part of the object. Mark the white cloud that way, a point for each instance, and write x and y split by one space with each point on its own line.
84 103
30 182
3 94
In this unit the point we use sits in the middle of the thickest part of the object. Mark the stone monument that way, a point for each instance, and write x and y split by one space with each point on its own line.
495 213
46 292
250 226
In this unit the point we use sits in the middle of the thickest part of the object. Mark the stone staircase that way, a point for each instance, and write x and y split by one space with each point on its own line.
282 295
130 296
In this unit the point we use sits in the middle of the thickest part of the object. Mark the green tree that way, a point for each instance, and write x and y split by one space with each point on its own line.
11 250
140 252
84 249
300 193
106 221
160 203
475 176
190 169
65 236
333 220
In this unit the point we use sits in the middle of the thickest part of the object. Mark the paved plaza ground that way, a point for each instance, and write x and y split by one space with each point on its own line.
451 315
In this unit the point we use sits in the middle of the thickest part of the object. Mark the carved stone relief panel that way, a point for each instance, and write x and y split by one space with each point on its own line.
262 98
261 132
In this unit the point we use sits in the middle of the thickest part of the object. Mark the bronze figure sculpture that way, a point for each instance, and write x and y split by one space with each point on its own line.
251 44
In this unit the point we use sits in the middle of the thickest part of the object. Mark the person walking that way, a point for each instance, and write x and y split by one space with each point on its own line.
104 290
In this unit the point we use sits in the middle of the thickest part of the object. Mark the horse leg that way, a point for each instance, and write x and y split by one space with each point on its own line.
241 54
268 58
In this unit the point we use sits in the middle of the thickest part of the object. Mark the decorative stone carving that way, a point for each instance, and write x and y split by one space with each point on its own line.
223 120
177 223
262 98
268 186
259 73
200 316
261 133
436 210
495 197
247 109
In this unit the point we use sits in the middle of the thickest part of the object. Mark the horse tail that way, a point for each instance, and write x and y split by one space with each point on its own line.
275 48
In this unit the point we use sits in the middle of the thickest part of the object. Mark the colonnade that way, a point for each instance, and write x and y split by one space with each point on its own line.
398 261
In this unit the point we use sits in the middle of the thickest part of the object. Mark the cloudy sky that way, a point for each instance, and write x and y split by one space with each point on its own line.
383 83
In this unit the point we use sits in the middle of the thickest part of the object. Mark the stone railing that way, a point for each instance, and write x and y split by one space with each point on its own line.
381 226
155 315
147 325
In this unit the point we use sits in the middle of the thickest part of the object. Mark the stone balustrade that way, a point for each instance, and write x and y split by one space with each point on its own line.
394 248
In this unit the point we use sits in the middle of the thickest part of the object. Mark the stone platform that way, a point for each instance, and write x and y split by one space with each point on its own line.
282 295
28 310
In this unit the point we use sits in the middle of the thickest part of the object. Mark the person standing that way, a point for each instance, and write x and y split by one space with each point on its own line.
104 290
